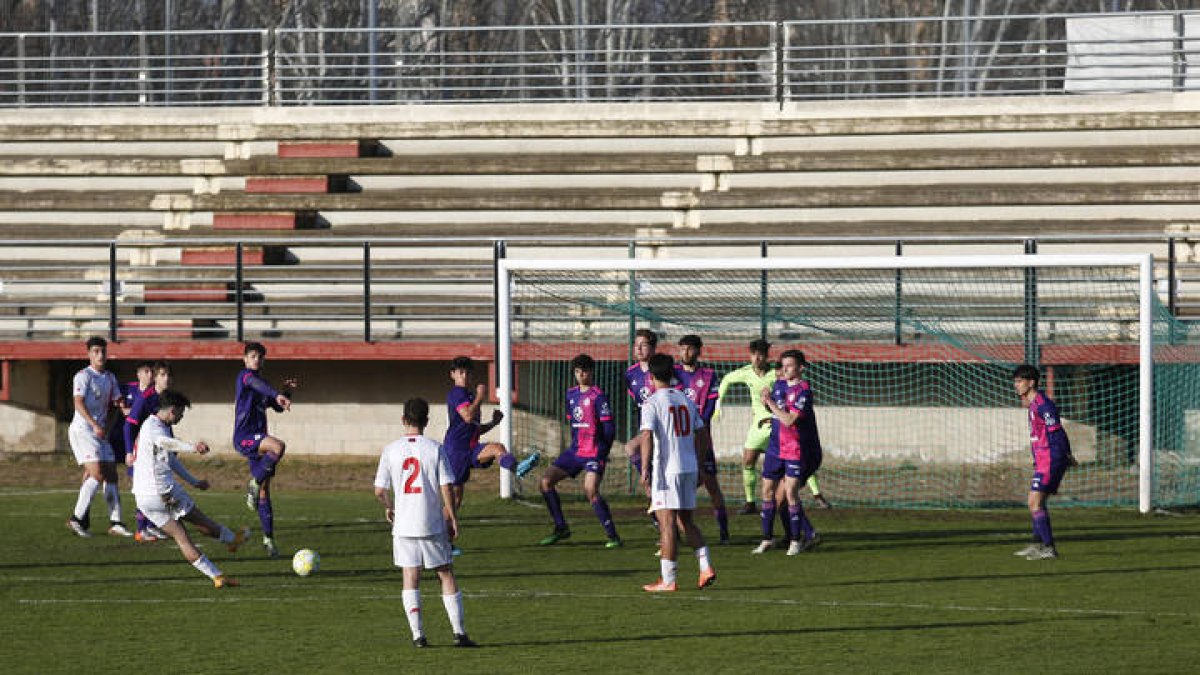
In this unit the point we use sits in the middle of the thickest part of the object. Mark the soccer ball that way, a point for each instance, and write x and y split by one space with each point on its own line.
306 561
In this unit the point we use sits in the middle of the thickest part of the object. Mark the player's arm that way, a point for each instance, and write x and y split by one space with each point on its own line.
278 402
447 492
736 377
646 443
785 417
384 495
133 421
383 487
87 417
180 470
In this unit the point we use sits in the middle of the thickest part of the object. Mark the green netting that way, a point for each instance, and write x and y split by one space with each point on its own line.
910 368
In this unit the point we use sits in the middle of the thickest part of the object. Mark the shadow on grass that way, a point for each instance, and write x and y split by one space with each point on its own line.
1037 571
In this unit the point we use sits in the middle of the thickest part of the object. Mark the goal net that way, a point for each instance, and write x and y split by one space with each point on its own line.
910 360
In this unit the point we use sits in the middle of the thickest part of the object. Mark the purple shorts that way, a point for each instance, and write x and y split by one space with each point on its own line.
572 464
775 468
1049 484
262 464
461 463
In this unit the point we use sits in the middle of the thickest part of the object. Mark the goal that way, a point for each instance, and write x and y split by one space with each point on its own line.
910 363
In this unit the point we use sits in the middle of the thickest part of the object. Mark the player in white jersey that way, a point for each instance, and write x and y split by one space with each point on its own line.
668 431
422 517
95 391
163 500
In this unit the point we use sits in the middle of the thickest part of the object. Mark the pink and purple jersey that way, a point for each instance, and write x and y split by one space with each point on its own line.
1047 440
591 420
461 435
117 438
639 385
700 386
798 441
254 396
145 405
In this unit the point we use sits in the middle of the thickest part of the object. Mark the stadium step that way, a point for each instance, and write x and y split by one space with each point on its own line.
326 149
263 220
223 255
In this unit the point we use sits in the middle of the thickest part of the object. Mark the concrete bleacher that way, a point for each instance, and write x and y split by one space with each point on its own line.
1022 166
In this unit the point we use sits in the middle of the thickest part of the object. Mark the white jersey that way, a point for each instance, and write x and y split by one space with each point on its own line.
416 468
673 420
99 391
155 462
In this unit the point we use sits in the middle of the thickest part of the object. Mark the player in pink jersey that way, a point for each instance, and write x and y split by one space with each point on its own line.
700 383
592 431
1051 458
793 453
639 385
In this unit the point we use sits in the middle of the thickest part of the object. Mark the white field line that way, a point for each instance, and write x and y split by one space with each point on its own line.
230 598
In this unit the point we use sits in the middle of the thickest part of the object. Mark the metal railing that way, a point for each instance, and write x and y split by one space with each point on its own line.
751 61
392 289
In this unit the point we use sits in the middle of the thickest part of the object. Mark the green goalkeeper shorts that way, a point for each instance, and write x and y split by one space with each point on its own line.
757 437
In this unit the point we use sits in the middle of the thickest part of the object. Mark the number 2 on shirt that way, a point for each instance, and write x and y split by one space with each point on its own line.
414 465
681 421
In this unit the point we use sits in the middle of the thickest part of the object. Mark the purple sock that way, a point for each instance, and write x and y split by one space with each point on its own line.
605 515
142 522
767 513
794 532
722 522
1041 527
266 516
555 505
785 521
507 461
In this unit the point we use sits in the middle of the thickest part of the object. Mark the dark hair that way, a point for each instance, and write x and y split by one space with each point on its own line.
173 399
1026 372
584 362
416 412
662 367
463 363
96 341
144 364
691 341
255 347
793 354
160 365
650 336
760 346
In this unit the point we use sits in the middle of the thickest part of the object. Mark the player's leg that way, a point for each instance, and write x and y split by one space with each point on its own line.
262 469
1045 548
695 539
710 480
550 478
750 481
208 526
494 452
411 597
668 546
592 477
815 488
164 518
772 474
112 497
452 601
92 479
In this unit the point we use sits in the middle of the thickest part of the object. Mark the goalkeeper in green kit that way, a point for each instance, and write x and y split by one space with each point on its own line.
757 376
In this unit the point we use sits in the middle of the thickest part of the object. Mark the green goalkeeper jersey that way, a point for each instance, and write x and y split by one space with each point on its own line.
755 382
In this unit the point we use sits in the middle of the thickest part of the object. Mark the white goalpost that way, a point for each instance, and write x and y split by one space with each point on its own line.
911 358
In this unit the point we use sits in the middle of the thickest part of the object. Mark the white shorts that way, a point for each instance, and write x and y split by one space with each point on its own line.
430 552
87 447
677 491
162 509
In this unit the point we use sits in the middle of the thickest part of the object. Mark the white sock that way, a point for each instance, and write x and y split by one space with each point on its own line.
86 492
206 567
702 558
113 498
454 610
225 536
412 609
668 570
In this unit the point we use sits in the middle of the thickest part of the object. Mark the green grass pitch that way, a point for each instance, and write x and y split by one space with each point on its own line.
901 592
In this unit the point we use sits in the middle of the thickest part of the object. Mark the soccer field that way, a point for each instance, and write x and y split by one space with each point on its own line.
921 591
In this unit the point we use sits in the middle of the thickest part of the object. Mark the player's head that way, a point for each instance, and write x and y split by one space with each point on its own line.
145 374
416 413
254 354
690 347
97 349
791 364
583 366
760 353
462 369
1025 379
662 369
163 377
171 406
645 344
